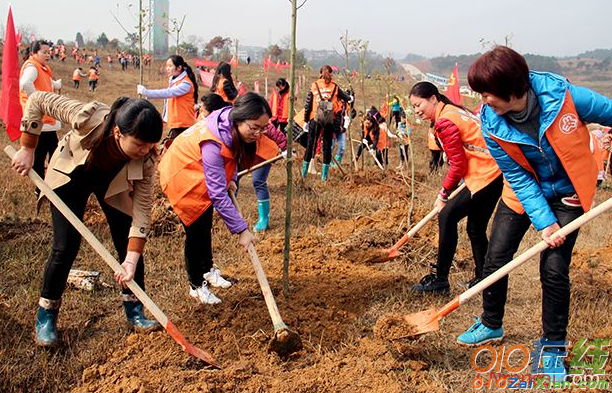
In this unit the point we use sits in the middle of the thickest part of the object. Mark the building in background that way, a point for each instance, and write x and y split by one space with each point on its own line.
161 14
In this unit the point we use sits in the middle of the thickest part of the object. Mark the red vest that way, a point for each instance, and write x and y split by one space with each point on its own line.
181 174
571 141
180 110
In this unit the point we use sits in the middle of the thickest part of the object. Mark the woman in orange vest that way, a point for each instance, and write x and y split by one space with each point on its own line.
36 75
110 153
93 78
77 74
223 82
197 172
534 127
180 97
437 158
372 137
279 103
323 89
461 139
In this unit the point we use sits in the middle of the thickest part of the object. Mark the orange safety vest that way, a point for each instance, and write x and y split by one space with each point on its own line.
76 75
42 83
266 148
180 110
382 137
277 102
571 140
93 75
598 152
219 90
431 140
181 174
326 92
481 167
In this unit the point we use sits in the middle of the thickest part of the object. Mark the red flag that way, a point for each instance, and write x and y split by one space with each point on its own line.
10 107
278 66
452 89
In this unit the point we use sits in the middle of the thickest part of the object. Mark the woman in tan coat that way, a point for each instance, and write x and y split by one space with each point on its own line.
109 152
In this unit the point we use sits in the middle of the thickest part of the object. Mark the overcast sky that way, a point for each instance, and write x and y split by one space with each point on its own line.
396 27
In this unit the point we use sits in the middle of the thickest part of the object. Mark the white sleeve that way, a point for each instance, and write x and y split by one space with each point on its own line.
26 82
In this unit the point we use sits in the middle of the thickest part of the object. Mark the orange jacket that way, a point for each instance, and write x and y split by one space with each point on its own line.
181 174
571 147
76 75
42 83
280 106
481 167
181 112
327 89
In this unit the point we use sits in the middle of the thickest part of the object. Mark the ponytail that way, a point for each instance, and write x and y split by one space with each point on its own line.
326 73
178 61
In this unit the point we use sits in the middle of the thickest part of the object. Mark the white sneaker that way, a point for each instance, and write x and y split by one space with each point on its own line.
204 295
214 278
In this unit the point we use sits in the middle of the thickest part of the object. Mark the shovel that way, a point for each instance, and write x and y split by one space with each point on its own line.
427 321
261 164
112 262
285 341
393 252
367 145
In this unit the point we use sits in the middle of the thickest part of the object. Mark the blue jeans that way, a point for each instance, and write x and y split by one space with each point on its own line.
507 232
260 182
341 143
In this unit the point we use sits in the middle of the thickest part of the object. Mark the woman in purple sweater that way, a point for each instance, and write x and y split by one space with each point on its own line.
196 174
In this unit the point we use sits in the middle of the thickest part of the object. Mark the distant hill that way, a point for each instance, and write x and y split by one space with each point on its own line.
599 54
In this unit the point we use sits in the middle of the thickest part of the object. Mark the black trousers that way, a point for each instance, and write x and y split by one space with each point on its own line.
198 248
66 239
313 132
47 143
478 209
507 232
436 161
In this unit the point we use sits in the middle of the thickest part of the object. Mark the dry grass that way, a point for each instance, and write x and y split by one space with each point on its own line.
335 301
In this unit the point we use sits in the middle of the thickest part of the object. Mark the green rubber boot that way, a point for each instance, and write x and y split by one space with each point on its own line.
46 322
263 209
324 172
305 165
135 315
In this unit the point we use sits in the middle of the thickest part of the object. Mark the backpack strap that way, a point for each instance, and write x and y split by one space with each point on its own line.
319 90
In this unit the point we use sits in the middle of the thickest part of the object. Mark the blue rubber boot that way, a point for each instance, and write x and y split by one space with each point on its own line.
136 318
324 172
263 209
305 165
46 322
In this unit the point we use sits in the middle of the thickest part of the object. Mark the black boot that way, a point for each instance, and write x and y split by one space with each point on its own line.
135 315
46 322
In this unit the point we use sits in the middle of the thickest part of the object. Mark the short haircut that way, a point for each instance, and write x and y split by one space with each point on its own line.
502 72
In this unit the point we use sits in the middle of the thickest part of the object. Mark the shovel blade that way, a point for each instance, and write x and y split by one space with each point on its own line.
422 322
285 342
189 348
386 255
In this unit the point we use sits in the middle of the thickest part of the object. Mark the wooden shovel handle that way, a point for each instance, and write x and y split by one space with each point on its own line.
533 251
425 220
254 167
93 241
263 281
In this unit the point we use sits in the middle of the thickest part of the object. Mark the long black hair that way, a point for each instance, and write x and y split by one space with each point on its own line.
250 106
135 117
427 89
178 61
223 70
